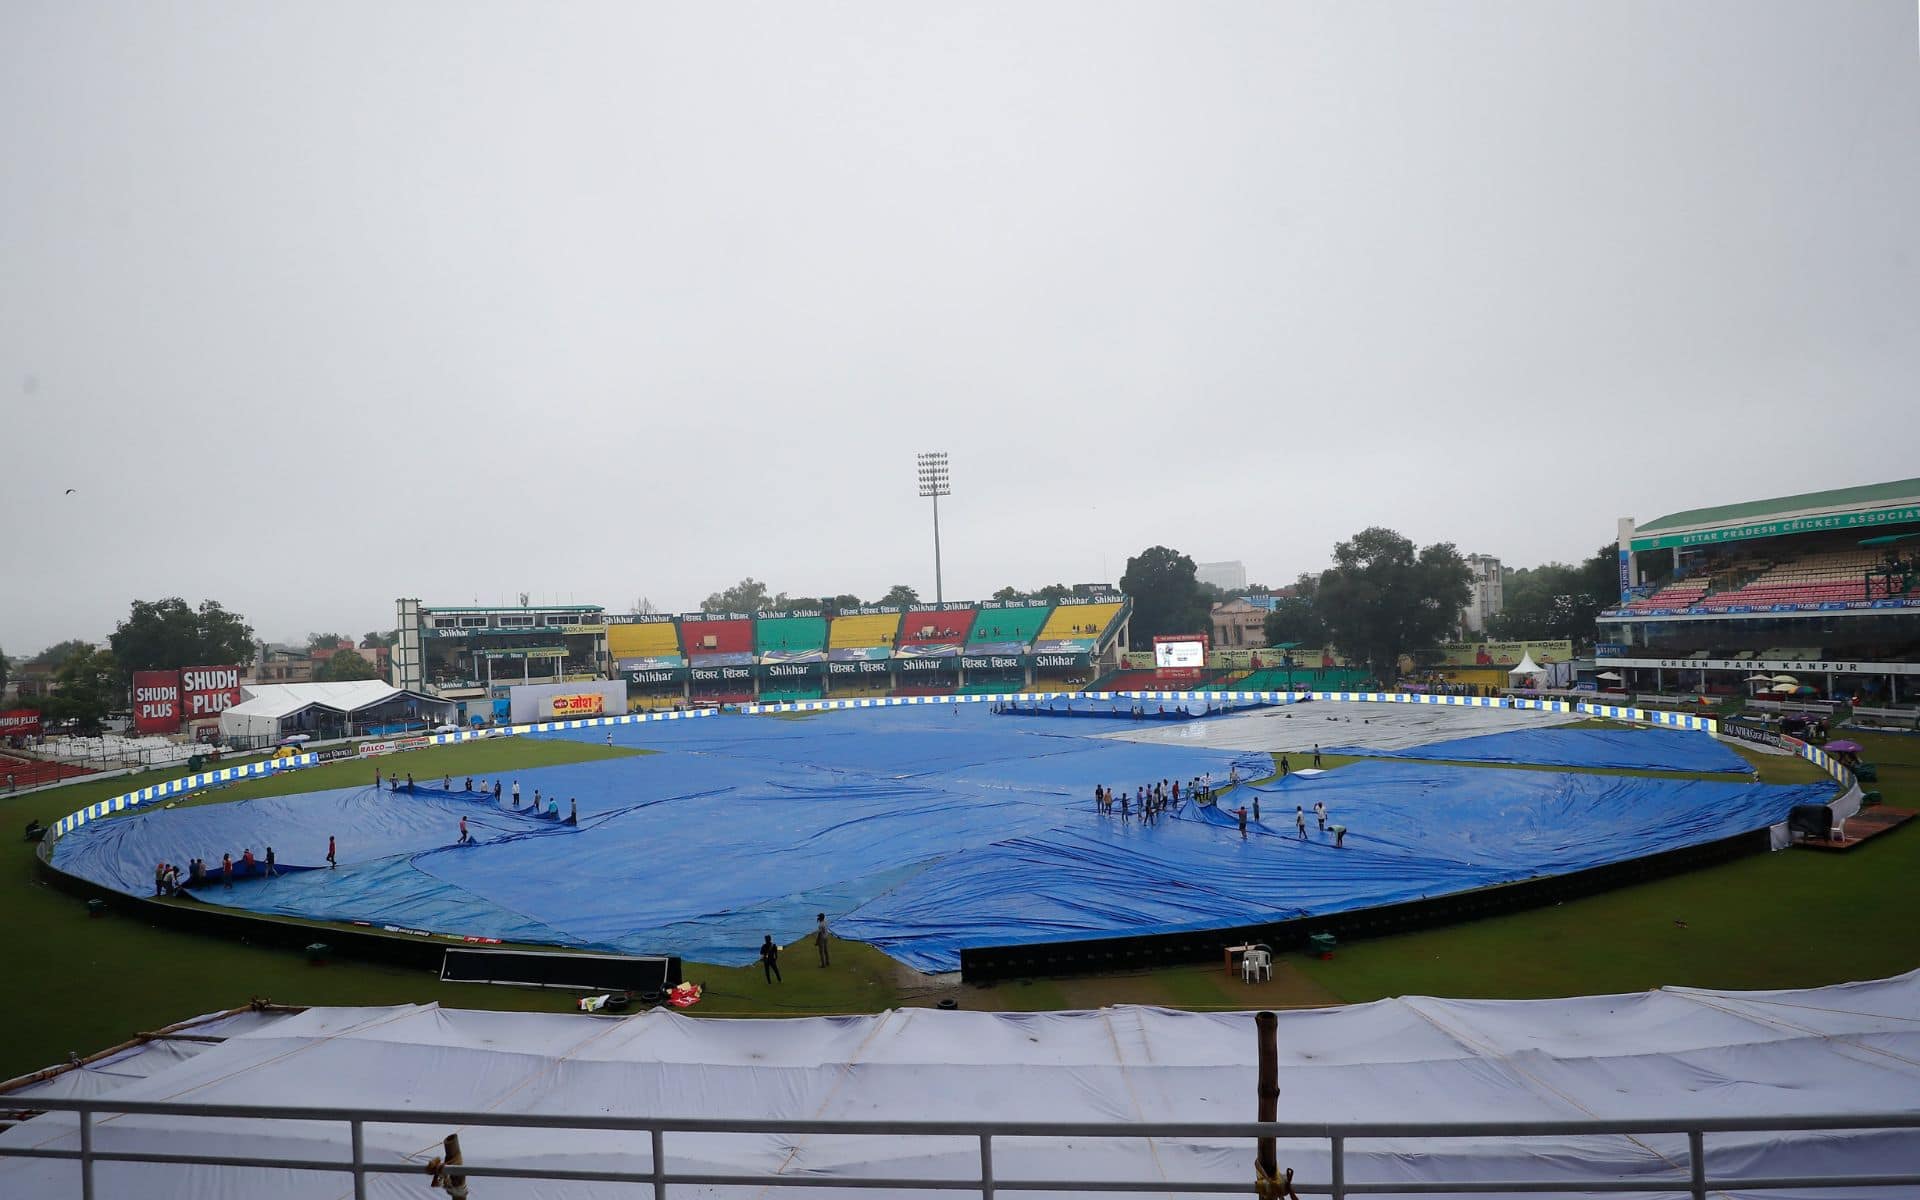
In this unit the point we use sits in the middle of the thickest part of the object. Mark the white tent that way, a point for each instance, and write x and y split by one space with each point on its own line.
1527 667
1673 1053
264 709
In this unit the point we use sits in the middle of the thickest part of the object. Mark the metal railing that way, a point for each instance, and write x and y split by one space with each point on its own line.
1696 1181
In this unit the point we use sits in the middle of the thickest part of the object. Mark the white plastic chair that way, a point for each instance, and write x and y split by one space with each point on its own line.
1257 964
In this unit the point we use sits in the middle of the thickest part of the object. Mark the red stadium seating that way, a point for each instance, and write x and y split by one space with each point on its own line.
716 637
32 772
936 628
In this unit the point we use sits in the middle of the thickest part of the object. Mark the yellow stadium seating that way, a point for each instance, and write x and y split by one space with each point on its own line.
877 630
1078 621
643 641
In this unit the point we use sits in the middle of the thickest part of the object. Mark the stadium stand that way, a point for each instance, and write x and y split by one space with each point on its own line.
1007 630
1776 577
936 628
1131 681
1078 623
863 630
17 774
791 694
789 636
714 642
657 641
1683 594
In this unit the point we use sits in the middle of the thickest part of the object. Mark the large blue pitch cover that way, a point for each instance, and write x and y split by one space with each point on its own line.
920 829
1629 749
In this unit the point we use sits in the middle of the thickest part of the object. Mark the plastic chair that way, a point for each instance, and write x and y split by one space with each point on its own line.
1257 964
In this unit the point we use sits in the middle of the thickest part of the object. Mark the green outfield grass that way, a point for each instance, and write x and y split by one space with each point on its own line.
1792 919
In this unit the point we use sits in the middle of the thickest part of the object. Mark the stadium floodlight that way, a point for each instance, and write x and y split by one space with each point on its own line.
935 483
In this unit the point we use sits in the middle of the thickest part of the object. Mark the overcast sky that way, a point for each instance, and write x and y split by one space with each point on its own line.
320 305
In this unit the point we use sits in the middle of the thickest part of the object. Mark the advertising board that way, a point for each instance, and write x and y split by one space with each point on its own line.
208 691
156 701
1179 654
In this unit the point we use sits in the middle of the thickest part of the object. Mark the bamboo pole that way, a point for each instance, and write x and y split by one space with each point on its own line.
1266 1159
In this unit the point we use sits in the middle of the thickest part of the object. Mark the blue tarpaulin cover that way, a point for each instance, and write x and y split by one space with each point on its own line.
1632 749
920 829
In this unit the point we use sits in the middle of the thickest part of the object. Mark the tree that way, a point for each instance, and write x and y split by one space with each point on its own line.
375 640
1382 598
1166 597
60 652
899 596
1053 593
1295 618
164 634
1556 600
749 595
324 641
1008 593
87 688
843 601
344 665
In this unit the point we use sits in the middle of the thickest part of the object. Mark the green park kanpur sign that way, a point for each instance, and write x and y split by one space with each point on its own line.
1864 519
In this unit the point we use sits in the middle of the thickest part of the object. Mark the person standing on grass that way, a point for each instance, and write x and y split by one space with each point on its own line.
770 959
609 739
820 930
1316 754
1284 768
331 863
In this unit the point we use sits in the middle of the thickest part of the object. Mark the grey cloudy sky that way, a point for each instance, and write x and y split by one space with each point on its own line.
319 305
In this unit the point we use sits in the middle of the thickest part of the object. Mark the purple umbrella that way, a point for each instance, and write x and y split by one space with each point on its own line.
1842 746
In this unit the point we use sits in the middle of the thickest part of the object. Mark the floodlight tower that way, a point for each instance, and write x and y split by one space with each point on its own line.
934 484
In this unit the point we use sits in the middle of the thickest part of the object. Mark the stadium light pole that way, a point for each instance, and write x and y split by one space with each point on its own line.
934 483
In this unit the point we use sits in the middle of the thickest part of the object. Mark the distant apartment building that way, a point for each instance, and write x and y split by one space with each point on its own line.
1486 593
1227 576
1240 622
274 663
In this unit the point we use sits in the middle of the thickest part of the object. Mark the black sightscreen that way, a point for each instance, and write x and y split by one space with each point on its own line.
538 968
